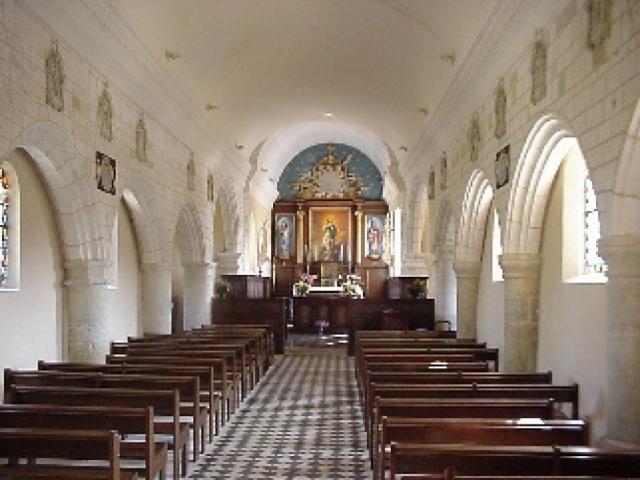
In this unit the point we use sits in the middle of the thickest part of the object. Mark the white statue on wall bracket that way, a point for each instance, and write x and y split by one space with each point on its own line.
191 173
431 184
474 138
500 110
141 140
210 189
105 114
443 171
538 69
54 74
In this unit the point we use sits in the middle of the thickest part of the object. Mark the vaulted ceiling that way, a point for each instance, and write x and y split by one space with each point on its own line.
275 68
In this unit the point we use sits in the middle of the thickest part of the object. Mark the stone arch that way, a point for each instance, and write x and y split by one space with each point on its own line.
143 225
473 220
443 234
227 201
54 154
190 235
545 147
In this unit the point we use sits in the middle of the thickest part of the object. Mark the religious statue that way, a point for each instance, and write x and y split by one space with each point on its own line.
330 232
599 27
474 138
431 184
500 110
503 162
443 171
54 78
374 238
538 69
284 236
141 140
106 173
105 114
210 190
191 173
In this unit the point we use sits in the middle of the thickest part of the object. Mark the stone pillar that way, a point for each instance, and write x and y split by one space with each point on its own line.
468 284
622 254
445 290
522 297
228 263
88 310
156 298
197 295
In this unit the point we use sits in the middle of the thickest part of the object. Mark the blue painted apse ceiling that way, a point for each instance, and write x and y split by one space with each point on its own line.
330 171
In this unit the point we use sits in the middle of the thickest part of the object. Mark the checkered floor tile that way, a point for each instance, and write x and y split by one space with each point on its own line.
303 421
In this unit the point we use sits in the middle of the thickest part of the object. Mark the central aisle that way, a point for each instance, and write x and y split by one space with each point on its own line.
303 421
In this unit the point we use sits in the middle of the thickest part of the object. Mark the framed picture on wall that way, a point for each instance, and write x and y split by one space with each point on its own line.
330 234
285 235
374 226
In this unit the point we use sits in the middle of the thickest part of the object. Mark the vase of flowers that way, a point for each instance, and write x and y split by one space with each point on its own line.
352 287
222 288
301 288
418 289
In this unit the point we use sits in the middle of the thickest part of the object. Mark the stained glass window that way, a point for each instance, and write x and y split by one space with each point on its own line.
593 262
4 228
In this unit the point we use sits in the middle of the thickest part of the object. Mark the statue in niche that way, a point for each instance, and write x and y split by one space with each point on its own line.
210 190
500 109
431 184
141 140
105 173
474 138
538 69
54 78
191 173
105 114
443 171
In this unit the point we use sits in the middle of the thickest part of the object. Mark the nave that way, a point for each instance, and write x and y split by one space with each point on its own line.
303 421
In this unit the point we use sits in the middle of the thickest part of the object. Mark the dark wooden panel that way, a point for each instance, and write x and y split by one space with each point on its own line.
397 286
271 311
245 286
374 280
286 276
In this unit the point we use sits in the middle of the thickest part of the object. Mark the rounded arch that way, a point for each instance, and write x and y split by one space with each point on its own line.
190 235
227 212
546 145
420 239
473 219
53 153
443 240
143 225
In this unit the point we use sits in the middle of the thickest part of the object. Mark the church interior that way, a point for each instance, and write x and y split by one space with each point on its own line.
323 239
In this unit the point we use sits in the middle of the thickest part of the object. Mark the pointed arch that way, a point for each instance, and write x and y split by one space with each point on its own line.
546 145
473 220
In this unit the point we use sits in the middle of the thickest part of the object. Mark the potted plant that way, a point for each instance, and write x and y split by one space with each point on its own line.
418 289
222 288
301 288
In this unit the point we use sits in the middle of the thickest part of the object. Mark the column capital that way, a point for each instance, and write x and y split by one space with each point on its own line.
86 272
467 268
155 267
622 254
520 265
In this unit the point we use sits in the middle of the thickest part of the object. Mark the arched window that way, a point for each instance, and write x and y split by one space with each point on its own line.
593 262
9 228
496 249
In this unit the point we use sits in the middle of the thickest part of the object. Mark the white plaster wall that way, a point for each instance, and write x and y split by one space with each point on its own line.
124 299
33 313
573 331
490 326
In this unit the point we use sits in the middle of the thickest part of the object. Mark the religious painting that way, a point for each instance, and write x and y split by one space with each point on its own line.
374 235
106 173
330 234
285 236
503 162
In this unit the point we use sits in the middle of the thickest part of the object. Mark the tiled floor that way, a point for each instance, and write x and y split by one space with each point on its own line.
303 421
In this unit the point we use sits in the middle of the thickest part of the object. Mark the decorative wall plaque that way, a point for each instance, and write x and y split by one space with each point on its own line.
500 109
538 69
105 114
105 173
191 173
54 73
443 171
431 184
503 162
474 138
141 140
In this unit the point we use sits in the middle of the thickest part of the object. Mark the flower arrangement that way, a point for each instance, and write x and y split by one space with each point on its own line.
351 287
418 289
222 288
301 288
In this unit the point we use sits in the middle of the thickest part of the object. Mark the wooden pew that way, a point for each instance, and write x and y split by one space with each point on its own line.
62 444
164 402
512 460
125 420
476 431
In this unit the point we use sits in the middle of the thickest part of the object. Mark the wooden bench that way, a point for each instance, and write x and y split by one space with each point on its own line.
164 403
62 444
127 421
476 431
512 460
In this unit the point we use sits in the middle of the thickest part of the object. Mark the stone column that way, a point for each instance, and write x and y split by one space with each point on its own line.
522 294
445 291
622 254
156 298
88 310
468 284
197 295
